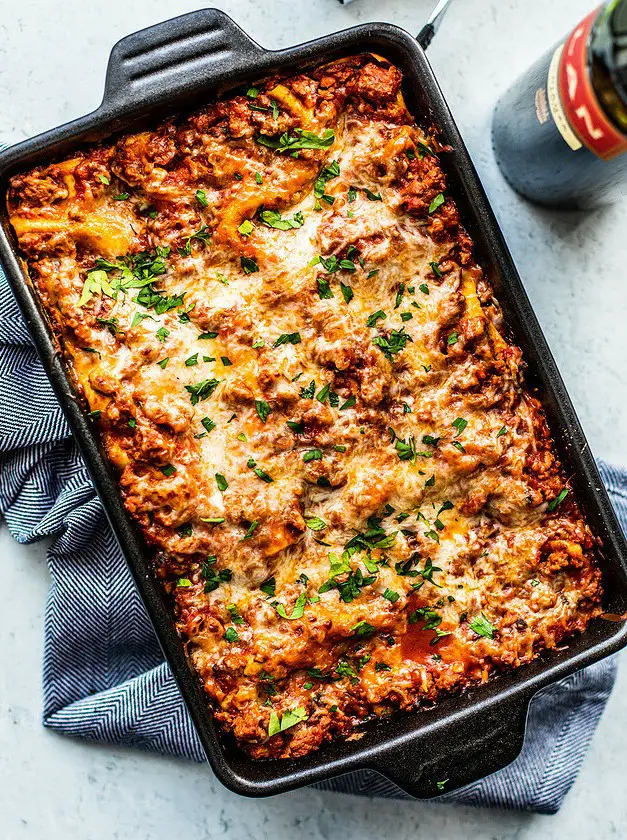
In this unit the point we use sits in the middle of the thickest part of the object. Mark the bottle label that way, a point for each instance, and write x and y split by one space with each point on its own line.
576 110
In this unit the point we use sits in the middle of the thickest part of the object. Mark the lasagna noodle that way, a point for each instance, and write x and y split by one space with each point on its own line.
300 372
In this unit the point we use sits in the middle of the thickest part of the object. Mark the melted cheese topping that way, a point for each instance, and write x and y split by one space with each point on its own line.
353 499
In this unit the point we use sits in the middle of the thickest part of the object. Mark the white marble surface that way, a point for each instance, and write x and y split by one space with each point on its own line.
574 270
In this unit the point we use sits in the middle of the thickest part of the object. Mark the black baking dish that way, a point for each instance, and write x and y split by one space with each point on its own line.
183 63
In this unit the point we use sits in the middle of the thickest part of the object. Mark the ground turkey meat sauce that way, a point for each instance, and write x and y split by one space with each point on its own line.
301 376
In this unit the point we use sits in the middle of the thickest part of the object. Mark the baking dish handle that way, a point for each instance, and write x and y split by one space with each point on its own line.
184 54
463 749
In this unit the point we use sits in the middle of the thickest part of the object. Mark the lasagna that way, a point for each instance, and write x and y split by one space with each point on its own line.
302 377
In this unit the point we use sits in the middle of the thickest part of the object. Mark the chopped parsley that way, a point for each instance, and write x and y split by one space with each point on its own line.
203 235
437 202
221 482
272 218
394 343
482 626
343 669
96 283
208 424
236 618
314 523
308 392
297 610
168 470
379 315
312 455
557 500
323 393
251 529
111 324
249 266
324 289
201 198
263 409
347 292
214 578
301 139
406 450
327 174
288 719
363 629
202 390
262 474
287 338
332 264
231 635
269 587
460 424
246 227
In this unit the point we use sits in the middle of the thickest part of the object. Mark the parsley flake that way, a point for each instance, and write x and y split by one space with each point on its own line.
557 500
437 202
263 410
482 626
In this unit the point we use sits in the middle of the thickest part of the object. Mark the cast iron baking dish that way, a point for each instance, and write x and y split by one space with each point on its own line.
183 63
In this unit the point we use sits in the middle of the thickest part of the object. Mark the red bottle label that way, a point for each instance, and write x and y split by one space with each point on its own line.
578 99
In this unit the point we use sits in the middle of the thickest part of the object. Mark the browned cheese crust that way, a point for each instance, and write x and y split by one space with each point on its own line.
301 375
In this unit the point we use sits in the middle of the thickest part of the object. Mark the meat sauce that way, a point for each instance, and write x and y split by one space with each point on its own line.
298 370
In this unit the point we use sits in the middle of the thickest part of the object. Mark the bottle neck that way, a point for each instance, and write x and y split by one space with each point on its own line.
608 61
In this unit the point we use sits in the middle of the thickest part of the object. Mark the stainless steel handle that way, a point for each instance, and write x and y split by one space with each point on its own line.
426 34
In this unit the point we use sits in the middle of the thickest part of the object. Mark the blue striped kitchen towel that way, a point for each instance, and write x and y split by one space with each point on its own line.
104 674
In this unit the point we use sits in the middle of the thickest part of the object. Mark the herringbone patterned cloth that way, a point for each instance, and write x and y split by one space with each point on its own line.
104 676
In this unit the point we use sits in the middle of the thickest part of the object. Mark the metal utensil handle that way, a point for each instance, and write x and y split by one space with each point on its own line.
180 54
426 34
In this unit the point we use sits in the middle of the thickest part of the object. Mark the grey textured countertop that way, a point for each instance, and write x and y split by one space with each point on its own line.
52 61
